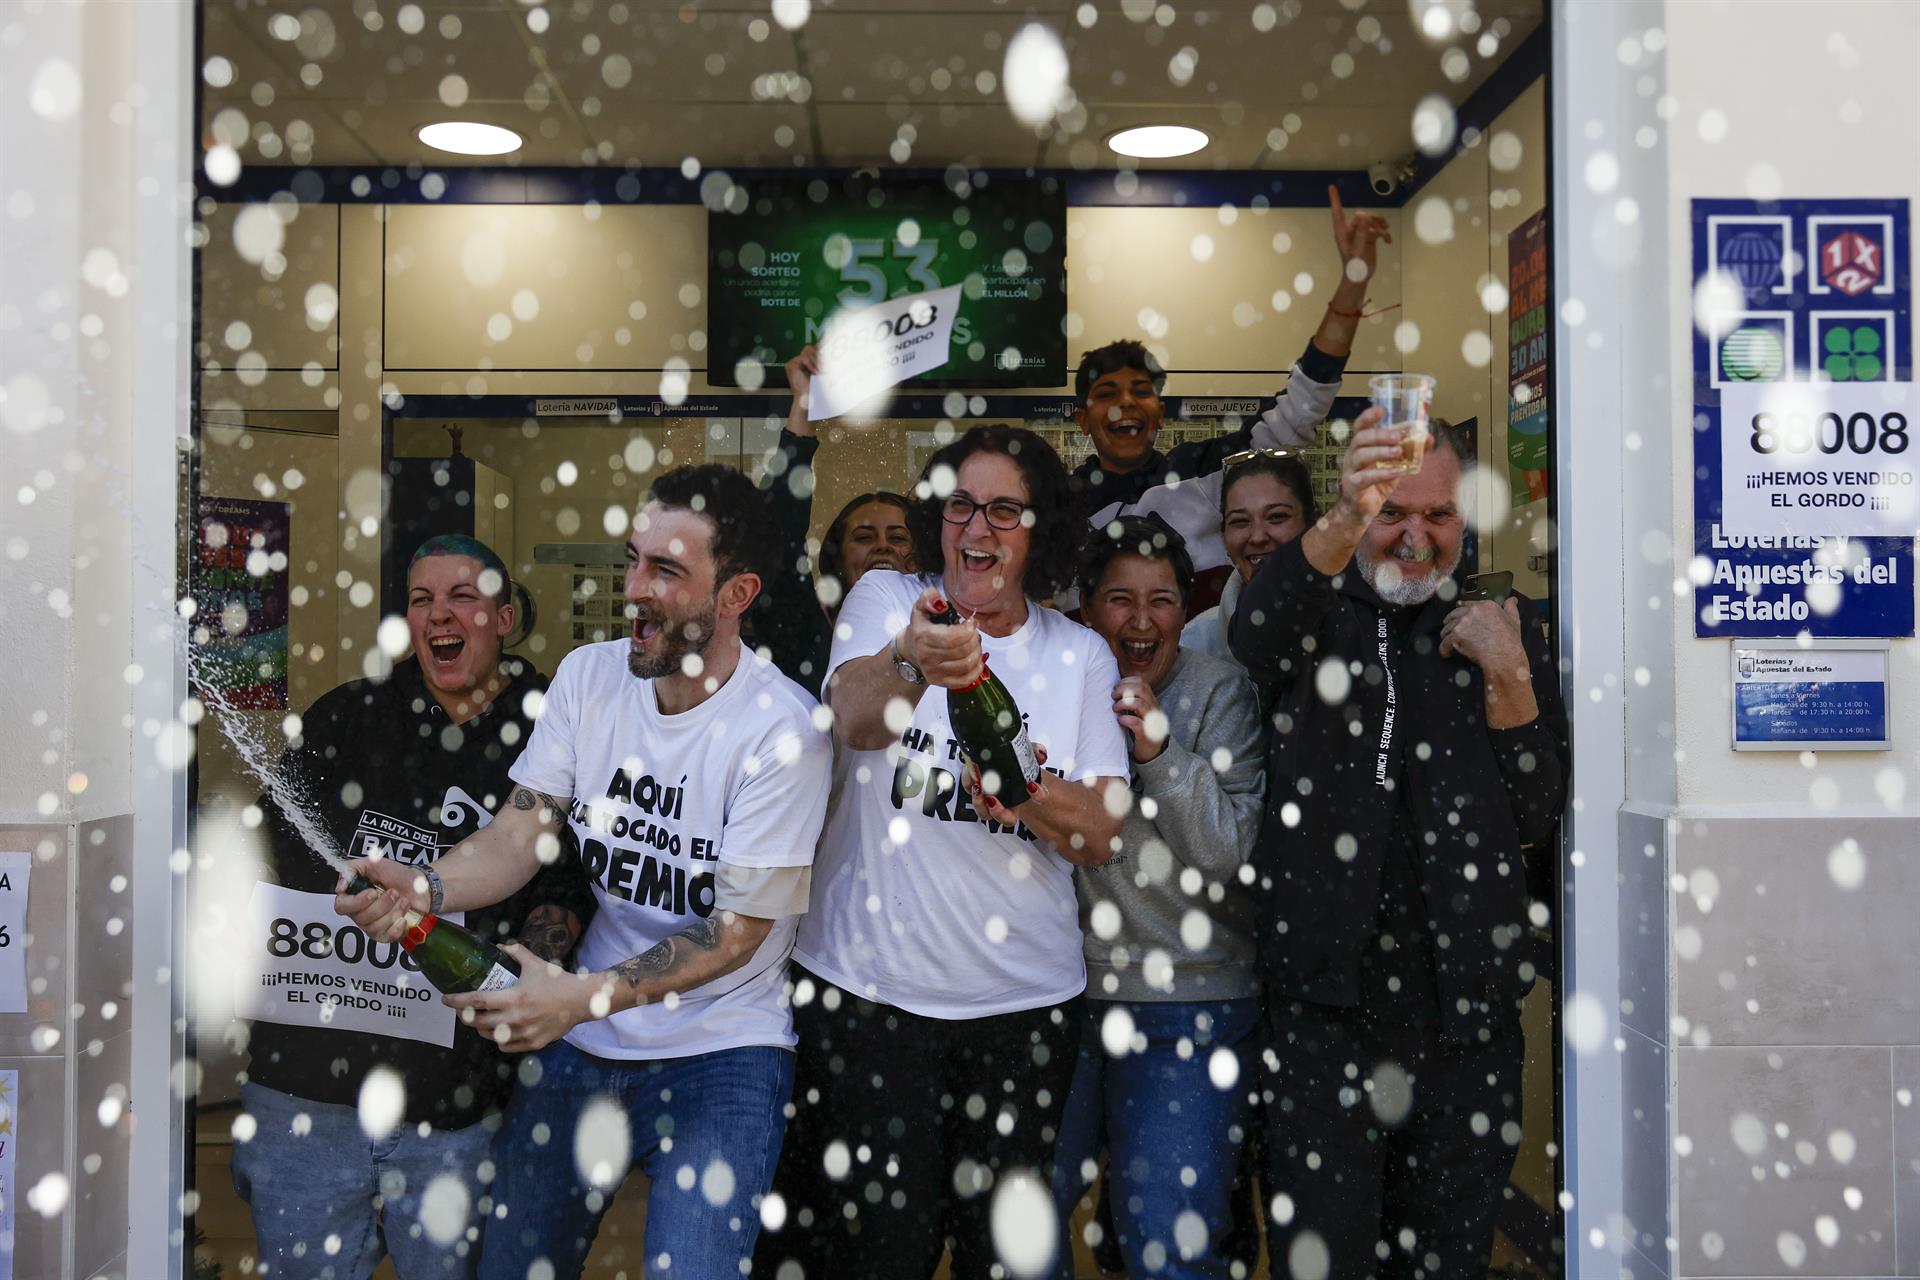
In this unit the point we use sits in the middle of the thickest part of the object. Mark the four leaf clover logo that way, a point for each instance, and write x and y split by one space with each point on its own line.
1853 354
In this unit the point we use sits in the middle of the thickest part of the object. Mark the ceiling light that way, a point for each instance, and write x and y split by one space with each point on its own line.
1157 141
467 138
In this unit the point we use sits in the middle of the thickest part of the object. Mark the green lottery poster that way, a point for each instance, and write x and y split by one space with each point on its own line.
1529 329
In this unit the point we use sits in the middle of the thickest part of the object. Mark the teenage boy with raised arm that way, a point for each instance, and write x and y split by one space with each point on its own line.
1118 407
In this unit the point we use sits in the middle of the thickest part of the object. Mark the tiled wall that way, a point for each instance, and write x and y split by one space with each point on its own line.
1646 1143
1796 1046
72 1050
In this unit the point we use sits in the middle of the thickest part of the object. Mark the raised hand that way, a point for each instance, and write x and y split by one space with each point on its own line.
1358 236
1371 467
801 371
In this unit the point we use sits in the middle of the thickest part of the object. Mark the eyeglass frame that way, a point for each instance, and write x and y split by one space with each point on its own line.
980 508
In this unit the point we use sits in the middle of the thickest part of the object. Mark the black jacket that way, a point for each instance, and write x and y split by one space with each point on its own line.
384 766
1474 799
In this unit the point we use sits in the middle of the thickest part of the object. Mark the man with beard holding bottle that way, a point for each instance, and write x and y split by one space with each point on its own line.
694 777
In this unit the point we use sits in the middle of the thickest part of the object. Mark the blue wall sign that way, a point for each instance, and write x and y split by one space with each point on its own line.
1830 696
1817 291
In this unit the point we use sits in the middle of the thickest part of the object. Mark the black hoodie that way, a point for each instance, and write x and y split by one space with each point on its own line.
382 762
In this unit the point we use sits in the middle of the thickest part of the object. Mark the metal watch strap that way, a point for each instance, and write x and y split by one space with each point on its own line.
436 892
904 667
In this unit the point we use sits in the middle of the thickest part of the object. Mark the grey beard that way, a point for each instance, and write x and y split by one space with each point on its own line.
677 644
1390 583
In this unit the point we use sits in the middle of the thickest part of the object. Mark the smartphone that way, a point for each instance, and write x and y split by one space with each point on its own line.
1487 586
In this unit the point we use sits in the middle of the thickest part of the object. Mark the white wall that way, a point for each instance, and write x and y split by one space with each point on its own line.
1728 983
1822 103
92 324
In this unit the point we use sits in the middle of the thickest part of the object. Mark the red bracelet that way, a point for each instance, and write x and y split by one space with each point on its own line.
1363 313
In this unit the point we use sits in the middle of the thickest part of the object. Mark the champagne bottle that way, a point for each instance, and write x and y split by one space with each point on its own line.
452 958
987 722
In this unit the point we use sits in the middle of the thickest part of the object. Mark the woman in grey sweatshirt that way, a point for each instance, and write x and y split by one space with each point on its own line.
1165 1061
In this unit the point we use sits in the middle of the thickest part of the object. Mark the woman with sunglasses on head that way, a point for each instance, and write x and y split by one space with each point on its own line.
1266 501
794 617
938 975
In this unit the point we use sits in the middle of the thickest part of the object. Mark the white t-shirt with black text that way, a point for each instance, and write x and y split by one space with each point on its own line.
659 803
918 901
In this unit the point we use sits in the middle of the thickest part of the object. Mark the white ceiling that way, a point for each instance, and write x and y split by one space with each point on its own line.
861 82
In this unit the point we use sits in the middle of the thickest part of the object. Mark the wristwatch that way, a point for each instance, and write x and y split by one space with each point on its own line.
904 668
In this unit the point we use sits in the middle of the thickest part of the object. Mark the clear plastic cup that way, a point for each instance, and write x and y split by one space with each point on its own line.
1407 399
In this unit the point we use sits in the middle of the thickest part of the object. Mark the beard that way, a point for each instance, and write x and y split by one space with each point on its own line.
677 638
1406 582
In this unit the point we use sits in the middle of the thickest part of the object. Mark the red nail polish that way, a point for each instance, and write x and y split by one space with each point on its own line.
938 605
1033 788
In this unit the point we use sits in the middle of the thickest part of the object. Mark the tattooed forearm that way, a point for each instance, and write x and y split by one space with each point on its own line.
550 932
525 798
697 955
673 955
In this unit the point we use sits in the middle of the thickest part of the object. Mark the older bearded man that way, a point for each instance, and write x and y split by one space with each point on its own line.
1419 756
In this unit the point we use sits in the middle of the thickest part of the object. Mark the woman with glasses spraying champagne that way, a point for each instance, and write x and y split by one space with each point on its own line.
939 973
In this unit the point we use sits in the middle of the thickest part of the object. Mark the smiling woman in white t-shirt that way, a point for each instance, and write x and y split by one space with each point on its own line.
939 969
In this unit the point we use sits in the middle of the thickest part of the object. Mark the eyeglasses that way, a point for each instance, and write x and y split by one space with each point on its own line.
1248 455
1002 513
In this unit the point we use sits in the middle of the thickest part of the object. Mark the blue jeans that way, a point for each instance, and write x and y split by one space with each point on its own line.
1172 1135
706 1130
322 1182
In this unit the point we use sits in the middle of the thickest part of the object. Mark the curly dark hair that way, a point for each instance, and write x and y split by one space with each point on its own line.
1058 532
1127 353
1149 537
830 559
746 539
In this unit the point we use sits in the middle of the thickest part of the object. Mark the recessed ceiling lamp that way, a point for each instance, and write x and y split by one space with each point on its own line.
1157 141
469 138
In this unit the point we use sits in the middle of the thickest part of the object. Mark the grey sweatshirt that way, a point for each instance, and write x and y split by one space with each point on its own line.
1183 929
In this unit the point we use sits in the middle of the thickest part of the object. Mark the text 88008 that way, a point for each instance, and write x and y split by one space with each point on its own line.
316 941
1829 433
